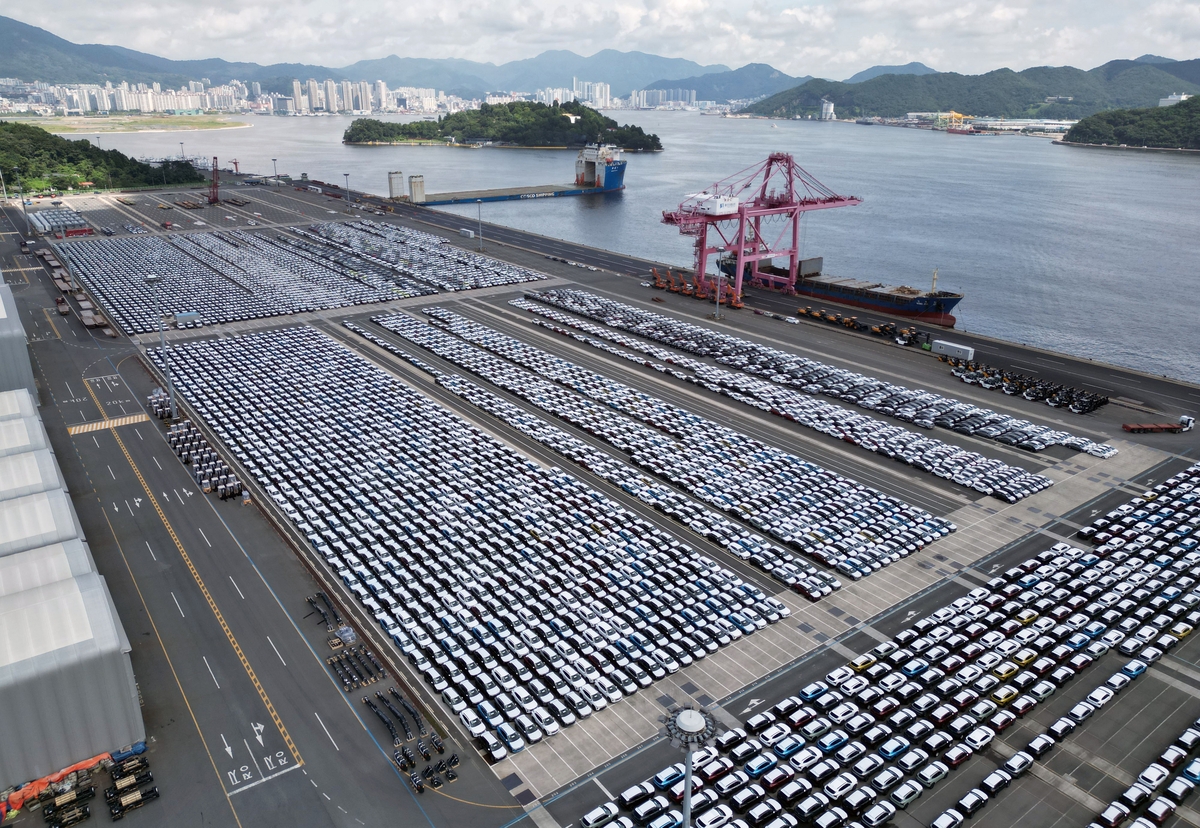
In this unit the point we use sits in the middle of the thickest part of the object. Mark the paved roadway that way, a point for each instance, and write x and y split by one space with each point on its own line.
245 724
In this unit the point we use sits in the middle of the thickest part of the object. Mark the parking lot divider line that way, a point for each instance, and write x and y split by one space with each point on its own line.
212 604
171 664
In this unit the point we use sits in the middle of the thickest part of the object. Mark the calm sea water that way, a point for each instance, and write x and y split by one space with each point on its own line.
1089 252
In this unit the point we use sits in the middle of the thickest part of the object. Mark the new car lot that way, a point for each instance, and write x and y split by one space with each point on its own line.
512 588
1008 606
921 408
835 521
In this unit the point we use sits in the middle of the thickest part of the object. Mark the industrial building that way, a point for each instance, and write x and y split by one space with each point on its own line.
15 368
66 681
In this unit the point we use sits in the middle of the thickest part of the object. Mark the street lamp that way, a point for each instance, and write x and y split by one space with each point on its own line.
21 195
153 280
479 216
2 186
347 175
689 728
182 157
275 167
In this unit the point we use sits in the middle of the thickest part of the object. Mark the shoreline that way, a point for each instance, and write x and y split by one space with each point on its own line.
146 131
1124 147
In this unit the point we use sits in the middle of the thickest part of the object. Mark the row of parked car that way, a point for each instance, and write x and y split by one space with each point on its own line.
874 734
420 255
793 572
842 524
1160 788
929 454
921 408
224 277
526 599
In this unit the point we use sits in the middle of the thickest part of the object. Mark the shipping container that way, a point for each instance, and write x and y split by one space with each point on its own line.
950 349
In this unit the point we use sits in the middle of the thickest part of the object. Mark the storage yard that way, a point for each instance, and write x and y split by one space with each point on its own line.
449 532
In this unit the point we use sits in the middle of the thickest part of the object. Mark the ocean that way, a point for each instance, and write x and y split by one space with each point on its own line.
1089 252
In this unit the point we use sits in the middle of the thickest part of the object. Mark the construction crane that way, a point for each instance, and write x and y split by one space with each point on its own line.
236 171
776 192
214 194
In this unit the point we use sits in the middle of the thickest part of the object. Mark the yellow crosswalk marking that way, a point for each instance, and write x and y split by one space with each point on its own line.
100 425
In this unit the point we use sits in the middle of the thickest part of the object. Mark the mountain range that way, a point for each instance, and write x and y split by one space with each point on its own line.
1043 91
30 53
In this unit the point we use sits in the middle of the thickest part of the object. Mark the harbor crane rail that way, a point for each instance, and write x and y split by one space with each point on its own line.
735 209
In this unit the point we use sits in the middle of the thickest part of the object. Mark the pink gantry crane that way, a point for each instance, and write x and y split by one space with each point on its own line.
735 208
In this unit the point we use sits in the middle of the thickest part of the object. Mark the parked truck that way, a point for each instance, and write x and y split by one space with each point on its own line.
950 349
1185 423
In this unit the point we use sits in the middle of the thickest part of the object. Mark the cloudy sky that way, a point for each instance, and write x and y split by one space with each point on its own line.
834 38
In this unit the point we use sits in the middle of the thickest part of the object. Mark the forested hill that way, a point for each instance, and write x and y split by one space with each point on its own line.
48 162
520 123
1167 127
1117 84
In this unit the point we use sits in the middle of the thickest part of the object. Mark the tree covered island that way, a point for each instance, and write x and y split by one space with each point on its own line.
520 123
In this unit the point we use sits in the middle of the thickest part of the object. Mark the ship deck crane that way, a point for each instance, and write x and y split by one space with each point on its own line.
777 191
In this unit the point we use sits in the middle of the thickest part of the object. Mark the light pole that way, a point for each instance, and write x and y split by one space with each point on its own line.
182 157
717 312
479 217
153 280
21 195
275 167
347 176
689 728
2 186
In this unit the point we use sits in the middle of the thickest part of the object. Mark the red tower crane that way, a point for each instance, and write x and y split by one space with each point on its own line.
735 209
236 171
214 195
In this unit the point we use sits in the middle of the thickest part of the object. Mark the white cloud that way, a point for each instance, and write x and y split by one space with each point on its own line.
831 38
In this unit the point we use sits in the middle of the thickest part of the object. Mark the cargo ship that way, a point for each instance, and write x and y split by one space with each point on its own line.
934 306
599 168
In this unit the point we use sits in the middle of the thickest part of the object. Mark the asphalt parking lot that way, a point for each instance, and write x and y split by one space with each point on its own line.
754 673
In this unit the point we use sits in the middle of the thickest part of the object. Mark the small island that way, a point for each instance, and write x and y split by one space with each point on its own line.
1169 127
518 124
48 162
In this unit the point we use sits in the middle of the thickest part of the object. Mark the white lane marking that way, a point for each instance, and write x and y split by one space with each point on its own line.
94 440
235 586
110 471
201 531
150 550
252 756
181 503
69 391
116 508
181 615
323 727
264 779
210 672
326 796
276 649
596 779
160 468
139 434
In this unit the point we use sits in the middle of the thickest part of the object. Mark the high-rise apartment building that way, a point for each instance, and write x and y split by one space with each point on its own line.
331 97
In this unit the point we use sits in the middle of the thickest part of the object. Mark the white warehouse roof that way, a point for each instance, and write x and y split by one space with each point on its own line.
17 403
65 674
28 473
44 565
36 520
22 434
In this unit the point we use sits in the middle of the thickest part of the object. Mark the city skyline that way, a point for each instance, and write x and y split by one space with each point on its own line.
832 39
